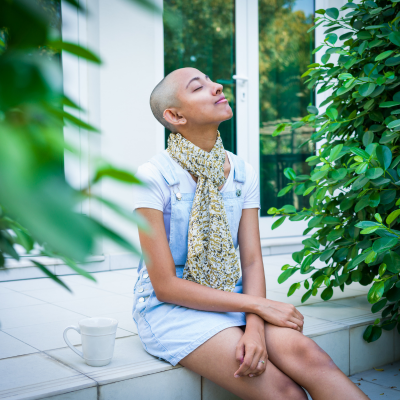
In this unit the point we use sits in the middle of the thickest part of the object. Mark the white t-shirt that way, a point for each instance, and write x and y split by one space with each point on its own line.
157 194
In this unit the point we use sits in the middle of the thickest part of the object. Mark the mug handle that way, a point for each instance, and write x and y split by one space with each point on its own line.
70 345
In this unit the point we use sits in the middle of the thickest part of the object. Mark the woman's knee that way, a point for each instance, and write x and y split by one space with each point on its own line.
288 389
311 354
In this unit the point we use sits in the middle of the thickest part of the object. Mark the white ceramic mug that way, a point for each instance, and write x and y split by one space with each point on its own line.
98 339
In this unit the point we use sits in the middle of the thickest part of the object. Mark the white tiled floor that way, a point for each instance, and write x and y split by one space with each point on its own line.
380 382
34 313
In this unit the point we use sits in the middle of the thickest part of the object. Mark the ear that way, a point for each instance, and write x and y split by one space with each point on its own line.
174 117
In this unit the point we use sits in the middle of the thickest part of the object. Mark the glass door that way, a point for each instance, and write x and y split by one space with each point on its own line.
285 50
203 37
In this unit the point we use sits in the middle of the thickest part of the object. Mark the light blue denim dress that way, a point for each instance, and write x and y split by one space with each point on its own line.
168 331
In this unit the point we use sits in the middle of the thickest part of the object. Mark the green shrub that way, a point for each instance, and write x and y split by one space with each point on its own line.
355 181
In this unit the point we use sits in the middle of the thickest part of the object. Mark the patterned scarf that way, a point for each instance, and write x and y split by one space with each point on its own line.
211 260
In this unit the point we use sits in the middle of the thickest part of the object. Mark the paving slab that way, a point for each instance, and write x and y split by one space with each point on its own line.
59 294
33 315
37 376
14 299
382 382
49 336
12 347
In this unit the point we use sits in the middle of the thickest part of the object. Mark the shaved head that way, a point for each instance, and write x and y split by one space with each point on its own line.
162 97
188 99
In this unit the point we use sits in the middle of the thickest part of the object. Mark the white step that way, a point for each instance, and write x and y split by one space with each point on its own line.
60 374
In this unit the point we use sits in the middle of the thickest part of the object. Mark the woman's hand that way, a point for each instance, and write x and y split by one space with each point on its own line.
280 314
250 350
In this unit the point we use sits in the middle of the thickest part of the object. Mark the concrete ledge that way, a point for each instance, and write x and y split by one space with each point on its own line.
283 245
25 269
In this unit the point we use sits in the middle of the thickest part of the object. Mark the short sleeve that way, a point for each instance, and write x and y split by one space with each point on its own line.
152 195
252 193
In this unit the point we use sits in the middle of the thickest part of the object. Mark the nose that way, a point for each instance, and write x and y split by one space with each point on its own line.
217 88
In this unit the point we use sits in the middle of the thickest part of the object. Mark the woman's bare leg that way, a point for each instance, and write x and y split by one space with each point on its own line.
216 360
306 363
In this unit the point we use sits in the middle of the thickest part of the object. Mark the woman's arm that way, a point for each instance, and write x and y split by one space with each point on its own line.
170 289
251 259
251 347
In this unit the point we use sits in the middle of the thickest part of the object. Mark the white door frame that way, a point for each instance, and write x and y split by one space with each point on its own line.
247 81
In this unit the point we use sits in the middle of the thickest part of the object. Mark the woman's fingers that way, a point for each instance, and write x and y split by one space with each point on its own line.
240 352
251 365
261 366
293 325
299 314
297 321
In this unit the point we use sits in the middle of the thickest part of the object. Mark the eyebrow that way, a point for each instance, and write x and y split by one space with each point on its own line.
196 78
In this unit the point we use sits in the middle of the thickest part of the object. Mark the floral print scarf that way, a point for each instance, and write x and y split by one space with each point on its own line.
211 259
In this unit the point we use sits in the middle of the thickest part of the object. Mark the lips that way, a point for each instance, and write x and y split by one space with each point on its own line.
221 100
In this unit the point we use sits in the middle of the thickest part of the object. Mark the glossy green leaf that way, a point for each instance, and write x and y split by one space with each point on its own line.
285 275
332 12
334 154
387 104
384 244
394 37
319 175
327 254
332 113
392 216
278 222
339 174
392 261
374 173
75 50
359 259
383 55
289 173
384 156
366 89
376 292
285 190
379 305
394 124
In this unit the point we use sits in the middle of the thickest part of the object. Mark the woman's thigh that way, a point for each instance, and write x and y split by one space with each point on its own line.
216 360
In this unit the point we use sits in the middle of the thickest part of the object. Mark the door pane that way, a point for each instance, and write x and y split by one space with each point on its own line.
285 50
201 34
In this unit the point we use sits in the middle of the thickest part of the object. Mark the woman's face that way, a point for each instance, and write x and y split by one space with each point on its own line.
201 100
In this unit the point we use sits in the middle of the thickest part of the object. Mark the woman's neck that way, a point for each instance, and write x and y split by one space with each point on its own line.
202 137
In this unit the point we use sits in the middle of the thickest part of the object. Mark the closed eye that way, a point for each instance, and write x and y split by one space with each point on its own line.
197 88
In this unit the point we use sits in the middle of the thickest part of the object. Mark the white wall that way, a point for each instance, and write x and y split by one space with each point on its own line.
131 45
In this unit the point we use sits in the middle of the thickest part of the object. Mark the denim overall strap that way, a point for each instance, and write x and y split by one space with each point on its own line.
164 164
239 173
140 266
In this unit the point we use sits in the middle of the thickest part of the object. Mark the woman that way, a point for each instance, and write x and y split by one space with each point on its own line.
191 305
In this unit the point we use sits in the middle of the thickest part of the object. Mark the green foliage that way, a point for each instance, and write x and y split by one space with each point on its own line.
354 208
37 212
